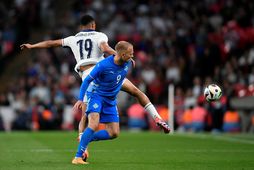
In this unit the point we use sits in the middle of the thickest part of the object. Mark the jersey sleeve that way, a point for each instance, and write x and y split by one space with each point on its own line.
102 38
93 74
66 42
84 87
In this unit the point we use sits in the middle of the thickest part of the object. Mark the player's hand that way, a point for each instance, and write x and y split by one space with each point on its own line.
78 107
24 46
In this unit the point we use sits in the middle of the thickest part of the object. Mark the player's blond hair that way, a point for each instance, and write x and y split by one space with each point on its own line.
122 46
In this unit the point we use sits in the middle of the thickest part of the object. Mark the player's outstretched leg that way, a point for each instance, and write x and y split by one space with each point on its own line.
145 102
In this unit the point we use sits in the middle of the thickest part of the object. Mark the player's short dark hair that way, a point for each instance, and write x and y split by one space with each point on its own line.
86 19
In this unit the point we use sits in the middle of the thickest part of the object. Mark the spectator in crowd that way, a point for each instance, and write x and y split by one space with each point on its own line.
252 123
187 120
217 110
137 117
231 120
199 117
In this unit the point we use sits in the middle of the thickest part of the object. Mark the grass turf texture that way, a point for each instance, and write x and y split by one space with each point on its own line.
146 150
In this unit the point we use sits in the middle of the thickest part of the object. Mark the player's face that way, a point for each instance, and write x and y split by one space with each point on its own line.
128 55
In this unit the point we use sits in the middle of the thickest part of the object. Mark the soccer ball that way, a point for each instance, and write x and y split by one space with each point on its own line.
212 92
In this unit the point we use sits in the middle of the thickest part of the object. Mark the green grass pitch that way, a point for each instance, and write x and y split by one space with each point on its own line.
145 150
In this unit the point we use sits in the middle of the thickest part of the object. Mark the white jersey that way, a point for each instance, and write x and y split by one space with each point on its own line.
85 46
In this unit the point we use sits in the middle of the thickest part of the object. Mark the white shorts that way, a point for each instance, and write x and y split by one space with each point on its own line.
83 75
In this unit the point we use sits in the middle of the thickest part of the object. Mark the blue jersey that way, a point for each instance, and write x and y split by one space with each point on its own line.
107 77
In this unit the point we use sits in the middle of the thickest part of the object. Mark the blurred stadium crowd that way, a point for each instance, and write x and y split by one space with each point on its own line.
186 43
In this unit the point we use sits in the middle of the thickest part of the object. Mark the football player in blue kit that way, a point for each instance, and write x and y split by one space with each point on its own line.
108 76
88 47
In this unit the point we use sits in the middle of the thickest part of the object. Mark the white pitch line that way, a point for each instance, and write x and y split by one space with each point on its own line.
232 139
137 150
43 150
218 137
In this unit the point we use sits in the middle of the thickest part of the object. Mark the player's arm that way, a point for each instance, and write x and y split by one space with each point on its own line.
105 48
93 74
43 44
84 87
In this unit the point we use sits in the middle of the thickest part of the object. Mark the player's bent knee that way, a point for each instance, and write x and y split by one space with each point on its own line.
93 125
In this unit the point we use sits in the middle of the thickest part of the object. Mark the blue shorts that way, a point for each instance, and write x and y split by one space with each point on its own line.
105 107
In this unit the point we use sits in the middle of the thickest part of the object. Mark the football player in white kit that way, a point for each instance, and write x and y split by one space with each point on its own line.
88 47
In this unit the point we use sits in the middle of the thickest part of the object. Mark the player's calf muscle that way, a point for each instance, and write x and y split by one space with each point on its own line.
142 99
113 130
114 134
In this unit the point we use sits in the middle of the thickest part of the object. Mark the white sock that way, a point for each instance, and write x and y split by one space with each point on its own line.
152 111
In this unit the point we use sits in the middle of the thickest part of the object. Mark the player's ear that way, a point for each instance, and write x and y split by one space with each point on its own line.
80 27
93 25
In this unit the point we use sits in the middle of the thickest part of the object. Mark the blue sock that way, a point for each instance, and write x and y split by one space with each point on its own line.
100 135
85 139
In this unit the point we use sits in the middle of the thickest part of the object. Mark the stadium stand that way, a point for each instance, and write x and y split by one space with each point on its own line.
186 43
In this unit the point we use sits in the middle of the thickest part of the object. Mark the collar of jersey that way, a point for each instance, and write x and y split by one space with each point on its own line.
88 30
